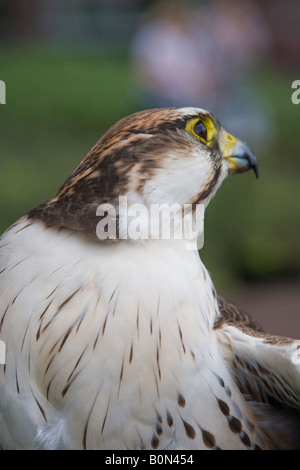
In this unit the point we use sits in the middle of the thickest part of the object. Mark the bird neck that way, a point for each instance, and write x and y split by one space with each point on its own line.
160 279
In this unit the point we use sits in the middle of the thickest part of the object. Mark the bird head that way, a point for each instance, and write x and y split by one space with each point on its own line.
158 156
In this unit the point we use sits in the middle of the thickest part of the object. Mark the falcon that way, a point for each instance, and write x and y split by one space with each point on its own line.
123 343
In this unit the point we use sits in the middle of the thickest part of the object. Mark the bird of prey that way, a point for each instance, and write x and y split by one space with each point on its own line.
123 343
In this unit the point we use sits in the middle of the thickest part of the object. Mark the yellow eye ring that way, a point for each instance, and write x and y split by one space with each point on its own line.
202 129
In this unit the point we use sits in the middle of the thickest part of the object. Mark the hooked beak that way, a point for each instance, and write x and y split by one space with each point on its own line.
238 156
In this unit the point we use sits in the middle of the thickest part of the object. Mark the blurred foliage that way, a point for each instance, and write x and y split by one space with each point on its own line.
59 103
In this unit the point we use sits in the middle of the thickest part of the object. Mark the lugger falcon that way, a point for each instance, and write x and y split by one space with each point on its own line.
125 344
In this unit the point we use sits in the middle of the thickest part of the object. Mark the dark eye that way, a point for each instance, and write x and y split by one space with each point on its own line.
200 130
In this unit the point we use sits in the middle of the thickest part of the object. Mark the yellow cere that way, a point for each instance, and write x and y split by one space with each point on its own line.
211 130
227 144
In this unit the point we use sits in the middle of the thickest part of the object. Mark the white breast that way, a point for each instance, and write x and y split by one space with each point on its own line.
108 345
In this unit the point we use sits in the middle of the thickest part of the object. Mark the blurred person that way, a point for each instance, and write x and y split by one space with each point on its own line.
166 61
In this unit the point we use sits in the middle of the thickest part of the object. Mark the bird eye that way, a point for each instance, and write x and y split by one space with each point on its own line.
200 130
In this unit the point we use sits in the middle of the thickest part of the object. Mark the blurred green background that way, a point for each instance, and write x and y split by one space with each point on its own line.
68 83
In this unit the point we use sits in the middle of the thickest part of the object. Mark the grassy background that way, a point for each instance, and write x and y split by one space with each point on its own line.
60 102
